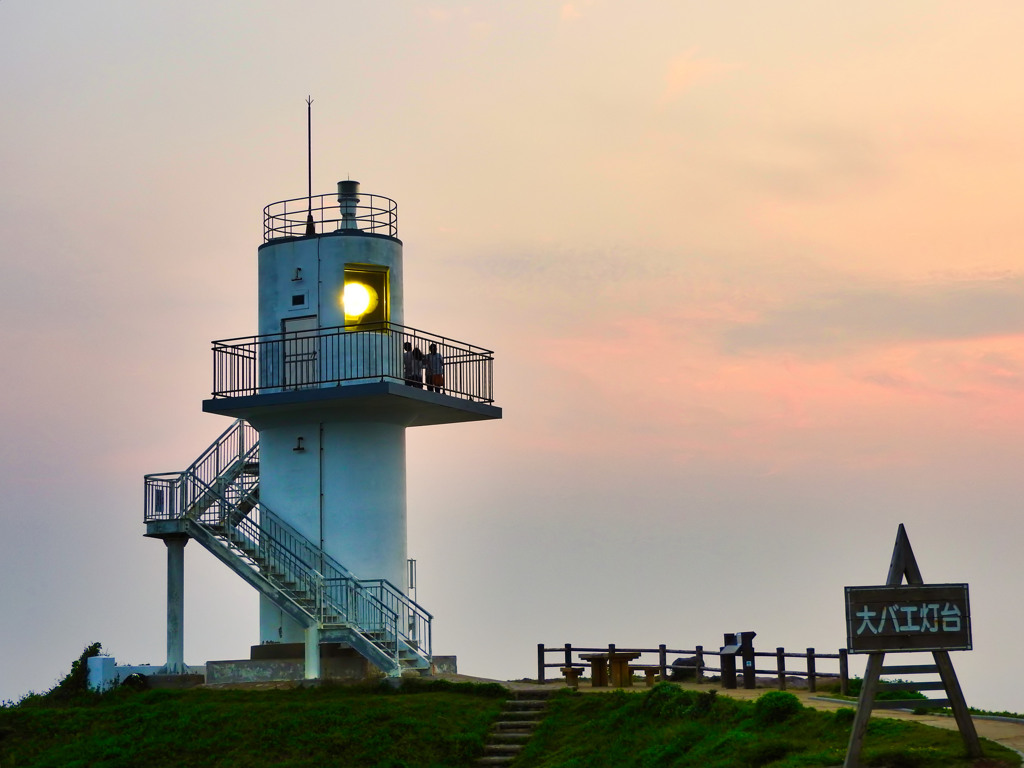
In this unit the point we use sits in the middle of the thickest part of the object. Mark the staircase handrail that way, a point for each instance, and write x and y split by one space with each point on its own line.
187 487
340 597
418 631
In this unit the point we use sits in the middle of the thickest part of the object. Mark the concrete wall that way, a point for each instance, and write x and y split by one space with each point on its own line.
284 661
322 263
347 489
105 672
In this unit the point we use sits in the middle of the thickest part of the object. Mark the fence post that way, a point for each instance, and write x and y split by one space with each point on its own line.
780 661
610 665
812 681
844 672
662 662
698 653
568 654
540 663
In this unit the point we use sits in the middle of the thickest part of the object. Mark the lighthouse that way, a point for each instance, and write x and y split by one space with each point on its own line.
304 494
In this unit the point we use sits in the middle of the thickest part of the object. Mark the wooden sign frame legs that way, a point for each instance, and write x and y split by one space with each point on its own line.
904 564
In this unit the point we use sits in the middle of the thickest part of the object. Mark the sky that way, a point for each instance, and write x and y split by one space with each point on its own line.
751 273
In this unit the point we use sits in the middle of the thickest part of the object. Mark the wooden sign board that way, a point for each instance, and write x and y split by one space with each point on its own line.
920 617
914 617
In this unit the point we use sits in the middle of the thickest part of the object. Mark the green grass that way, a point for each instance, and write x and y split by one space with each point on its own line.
432 724
669 726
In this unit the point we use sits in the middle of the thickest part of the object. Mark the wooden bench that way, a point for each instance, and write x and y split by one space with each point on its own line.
653 672
572 675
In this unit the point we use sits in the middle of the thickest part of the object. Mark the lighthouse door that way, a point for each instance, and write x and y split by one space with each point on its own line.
300 348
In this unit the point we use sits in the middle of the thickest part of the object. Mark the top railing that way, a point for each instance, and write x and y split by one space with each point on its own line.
322 214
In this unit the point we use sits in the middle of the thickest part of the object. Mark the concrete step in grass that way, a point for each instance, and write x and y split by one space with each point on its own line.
520 717
513 729
502 749
509 737
525 705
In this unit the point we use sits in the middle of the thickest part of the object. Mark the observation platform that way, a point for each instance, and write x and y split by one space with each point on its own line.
355 370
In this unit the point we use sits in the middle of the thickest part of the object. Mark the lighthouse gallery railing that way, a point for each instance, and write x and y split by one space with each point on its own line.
364 212
345 354
219 492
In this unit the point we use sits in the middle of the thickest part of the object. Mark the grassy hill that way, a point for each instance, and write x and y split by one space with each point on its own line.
669 726
440 725
435 724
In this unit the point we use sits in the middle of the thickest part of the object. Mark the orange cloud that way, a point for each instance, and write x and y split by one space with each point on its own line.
570 11
687 70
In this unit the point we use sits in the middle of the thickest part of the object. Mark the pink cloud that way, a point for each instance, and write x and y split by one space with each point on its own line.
646 393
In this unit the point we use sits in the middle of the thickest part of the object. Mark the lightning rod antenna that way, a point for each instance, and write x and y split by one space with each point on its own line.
310 227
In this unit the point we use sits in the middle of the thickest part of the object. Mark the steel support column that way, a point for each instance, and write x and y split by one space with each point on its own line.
175 604
313 652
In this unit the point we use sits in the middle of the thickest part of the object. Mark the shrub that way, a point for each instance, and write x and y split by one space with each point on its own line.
704 704
76 682
667 700
776 707
845 715
135 682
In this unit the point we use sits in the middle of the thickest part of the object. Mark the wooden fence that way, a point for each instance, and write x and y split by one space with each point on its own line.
568 656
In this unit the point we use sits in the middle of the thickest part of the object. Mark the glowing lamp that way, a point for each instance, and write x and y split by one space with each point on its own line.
364 295
358 299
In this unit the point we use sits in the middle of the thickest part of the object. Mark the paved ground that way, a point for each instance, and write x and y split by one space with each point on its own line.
1009 733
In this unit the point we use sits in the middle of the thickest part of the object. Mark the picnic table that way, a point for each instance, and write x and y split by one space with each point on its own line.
617 662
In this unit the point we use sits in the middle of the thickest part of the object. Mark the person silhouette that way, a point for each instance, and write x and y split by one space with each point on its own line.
435 369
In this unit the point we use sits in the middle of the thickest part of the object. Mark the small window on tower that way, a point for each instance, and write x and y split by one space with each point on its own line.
365 295
298 299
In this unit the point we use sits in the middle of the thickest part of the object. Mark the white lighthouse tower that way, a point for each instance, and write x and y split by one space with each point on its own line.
304 496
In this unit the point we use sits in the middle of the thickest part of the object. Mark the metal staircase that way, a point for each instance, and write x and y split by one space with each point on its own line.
216 502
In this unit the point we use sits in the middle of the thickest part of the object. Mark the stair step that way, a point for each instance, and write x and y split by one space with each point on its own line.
514 737
532 697
521 717
514 726
525 705
502 749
